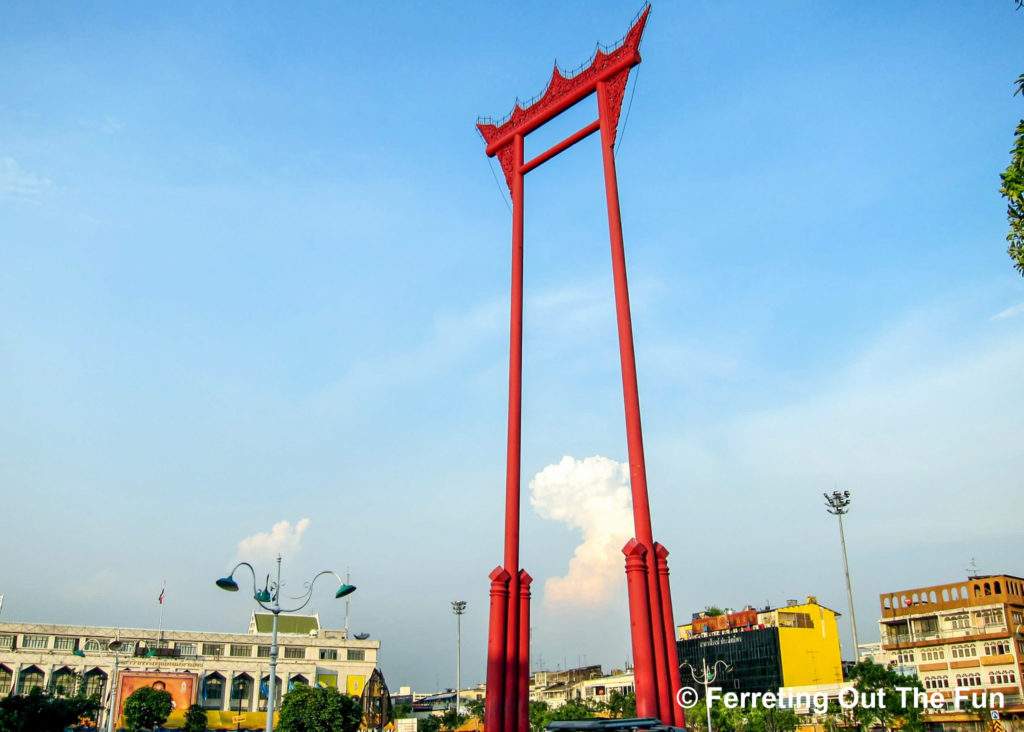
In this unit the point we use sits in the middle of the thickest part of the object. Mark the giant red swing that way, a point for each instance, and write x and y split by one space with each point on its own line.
656 669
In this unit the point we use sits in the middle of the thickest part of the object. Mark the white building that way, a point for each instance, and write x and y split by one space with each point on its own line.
225 671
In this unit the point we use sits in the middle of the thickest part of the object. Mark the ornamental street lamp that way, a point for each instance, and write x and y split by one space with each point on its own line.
458 607
271 593
706 677
114 645
838 504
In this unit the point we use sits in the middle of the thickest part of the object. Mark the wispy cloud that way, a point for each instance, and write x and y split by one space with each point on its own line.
591 495
283 538
1009 312
18 184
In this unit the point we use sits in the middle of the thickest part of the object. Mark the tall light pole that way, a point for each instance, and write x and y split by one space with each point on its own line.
115 646
272 594
838 504
458 607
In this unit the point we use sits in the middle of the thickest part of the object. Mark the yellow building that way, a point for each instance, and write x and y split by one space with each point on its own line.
796 645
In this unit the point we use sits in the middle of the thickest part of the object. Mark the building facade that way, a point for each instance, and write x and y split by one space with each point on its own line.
763 650
225 672
963 635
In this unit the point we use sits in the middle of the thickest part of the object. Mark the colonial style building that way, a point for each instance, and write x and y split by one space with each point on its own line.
225 672
963 635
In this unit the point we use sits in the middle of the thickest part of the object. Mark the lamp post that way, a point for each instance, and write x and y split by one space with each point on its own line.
271 593
458 607
706 677
838 504
115 646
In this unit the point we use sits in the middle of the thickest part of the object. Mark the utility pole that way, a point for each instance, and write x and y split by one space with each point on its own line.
838 504
458 607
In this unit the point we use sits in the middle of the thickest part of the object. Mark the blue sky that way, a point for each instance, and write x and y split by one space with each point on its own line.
254 269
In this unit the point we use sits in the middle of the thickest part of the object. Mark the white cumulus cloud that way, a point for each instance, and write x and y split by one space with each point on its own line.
283 538
591 495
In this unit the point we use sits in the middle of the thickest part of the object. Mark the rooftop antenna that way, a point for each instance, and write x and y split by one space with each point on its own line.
972 571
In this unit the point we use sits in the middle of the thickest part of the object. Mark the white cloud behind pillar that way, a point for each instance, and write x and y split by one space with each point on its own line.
591 495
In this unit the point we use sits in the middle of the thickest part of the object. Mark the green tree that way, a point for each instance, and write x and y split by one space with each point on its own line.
538 714
402 711
308 709
476 707
572 709
195 719
885 704
1013 187
451 719
38 711
429 724
147 708
621 706
761 719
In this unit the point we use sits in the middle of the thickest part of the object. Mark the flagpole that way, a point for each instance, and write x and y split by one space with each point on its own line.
160 627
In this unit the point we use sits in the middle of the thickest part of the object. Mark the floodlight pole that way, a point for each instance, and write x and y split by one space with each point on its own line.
838 504
458 607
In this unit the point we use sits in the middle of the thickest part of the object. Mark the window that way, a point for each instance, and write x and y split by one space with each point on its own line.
92 645
35 641
936 682
1002 677
1018 617
933 654
213 649
95 683
237 651
263 651
992 617
186 649
5 679
356 654
905 657
961 620
290 652
328 654
6 644
126 647
997 648
29 679
63 643
213 688
966 650
968 680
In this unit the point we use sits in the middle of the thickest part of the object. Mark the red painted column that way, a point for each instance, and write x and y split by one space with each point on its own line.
640 630
523 711
494 707
515 424
678 717
630 393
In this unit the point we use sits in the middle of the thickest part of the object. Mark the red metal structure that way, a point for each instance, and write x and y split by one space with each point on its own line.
656 667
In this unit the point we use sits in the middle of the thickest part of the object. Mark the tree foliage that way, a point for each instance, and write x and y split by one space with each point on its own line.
429 724
38 711
621 706
308 709
1013 187
147 708
873 681
195 719
476 707
451 719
